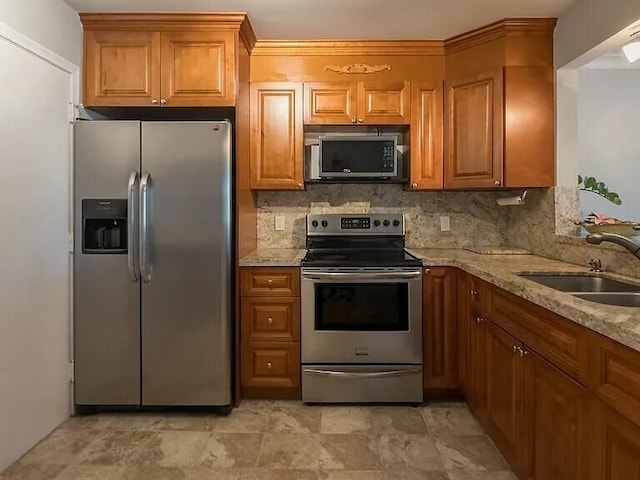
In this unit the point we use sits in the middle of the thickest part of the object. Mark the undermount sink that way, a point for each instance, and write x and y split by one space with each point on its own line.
620 299
579 283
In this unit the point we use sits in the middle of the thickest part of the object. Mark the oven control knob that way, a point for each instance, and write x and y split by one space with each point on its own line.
325 223
314 224
396 223
386 223
376 223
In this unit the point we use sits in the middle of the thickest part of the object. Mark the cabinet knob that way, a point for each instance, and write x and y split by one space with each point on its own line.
479 320
300 185
269 365
154 101
163 101
474 293
427 270
353 120
361 120
269 282
270 320
414 185
515 348
497 182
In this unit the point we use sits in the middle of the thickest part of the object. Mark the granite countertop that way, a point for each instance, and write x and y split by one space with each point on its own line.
618 323
273 257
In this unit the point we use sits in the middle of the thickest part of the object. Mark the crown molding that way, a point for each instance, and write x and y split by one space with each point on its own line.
347 47
168 21
509 27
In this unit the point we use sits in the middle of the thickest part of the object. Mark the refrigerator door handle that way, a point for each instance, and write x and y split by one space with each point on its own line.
132 227
145 187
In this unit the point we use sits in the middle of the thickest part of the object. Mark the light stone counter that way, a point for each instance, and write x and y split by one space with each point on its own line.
273 257
619 323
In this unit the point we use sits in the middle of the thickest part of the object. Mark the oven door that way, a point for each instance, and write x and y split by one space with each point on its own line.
364 315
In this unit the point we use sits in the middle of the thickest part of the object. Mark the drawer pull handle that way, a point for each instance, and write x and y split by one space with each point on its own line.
269 365
270 320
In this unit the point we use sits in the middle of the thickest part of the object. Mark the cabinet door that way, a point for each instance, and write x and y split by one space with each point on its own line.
276 136
384 103
198 68
474 145
121 68
557 426
617 446
463 312
504 391
329 103
426 136
476 364
439 328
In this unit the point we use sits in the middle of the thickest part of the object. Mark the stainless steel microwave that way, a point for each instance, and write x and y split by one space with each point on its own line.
362 156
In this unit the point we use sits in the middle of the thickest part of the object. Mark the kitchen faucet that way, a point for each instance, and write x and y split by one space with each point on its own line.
631 245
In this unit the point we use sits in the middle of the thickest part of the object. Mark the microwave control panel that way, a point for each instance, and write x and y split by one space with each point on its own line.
388 156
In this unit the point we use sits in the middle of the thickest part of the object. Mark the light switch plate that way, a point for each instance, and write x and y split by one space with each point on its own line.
280 223
445 224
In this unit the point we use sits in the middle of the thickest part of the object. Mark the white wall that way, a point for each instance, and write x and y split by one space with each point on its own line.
51 23
609 139
36 87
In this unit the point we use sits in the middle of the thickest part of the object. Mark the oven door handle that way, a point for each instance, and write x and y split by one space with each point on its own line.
362 276
388 373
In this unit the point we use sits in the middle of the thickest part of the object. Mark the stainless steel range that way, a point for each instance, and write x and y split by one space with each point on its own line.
361 311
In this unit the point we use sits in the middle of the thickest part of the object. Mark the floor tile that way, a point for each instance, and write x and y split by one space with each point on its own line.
451 421
348 452
20 471
346 420
61 447
414 475
88 422
290 450
190 423
244 421
114 447
172 449
351 475
91 472
398 420
295 420
151 472
226 450
409 452
136 421
474 453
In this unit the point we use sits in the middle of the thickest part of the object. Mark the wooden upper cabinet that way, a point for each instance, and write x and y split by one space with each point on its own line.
439 328
162 59
363 103
474 117
384 103
276 136
121 68
426 137
329 103
198 68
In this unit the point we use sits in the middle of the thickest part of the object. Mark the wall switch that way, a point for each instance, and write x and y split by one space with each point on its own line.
445 224
280 223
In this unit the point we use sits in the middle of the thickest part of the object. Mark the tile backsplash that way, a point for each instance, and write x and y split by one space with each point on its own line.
475 218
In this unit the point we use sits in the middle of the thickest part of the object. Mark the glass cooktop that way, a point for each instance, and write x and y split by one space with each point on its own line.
378 257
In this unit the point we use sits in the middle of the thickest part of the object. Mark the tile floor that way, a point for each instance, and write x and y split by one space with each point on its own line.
263 440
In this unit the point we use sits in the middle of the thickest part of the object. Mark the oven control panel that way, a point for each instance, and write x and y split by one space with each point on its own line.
344 224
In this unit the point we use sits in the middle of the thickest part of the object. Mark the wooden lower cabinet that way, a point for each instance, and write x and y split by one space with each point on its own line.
616 446
504 390
439 328
556 430
271 365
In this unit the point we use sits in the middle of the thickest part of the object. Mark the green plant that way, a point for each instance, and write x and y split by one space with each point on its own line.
590 184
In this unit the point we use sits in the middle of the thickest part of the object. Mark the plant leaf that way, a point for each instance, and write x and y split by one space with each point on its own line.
590 182
580 179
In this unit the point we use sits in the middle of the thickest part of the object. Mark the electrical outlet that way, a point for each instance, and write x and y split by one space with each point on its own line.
445 224
279 223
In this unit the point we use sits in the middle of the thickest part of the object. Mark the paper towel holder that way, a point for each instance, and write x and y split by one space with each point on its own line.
513 200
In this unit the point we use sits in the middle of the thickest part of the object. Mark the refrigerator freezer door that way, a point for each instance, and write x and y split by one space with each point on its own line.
186 305
106 297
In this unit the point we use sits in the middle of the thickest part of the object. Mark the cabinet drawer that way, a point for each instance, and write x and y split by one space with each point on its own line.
617 376
272 281
557 339
271 319
271 365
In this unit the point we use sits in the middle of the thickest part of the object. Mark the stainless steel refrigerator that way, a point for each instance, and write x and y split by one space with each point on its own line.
152 263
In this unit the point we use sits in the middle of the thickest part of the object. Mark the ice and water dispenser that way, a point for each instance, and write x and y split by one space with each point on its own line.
104 226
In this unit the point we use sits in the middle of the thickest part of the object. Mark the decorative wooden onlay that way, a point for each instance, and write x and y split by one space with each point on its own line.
357 68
